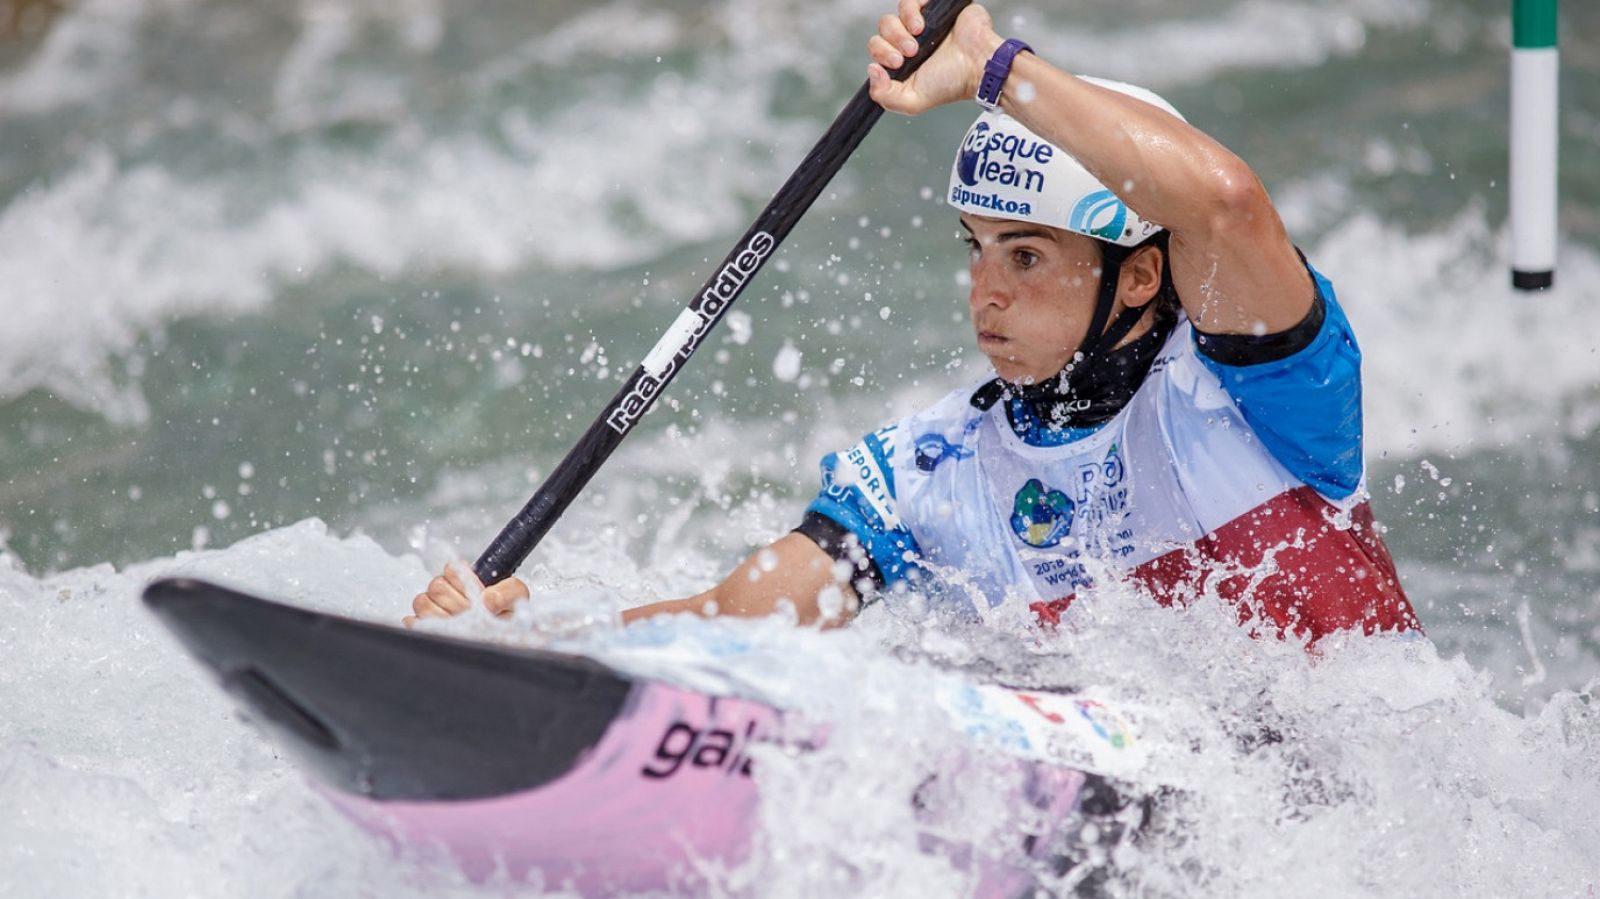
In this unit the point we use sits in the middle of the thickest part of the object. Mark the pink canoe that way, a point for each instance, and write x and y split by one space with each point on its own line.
518 761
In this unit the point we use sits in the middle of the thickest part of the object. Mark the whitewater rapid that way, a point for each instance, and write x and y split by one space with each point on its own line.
1375 767
307 299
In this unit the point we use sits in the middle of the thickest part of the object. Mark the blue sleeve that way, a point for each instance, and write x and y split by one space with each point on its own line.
858 493
1306 407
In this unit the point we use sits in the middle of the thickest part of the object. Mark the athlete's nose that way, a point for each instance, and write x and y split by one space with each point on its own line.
988 287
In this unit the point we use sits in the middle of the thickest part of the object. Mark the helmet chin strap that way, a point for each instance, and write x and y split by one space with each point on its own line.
1100 339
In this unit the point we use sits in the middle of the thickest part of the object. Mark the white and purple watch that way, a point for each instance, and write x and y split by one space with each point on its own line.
996 71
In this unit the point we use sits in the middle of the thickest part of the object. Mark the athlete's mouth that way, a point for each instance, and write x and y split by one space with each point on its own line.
991 337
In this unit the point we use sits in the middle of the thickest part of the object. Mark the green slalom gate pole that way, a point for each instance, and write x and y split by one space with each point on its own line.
1535 64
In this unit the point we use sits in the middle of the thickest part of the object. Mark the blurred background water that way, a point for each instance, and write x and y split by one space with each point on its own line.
380 263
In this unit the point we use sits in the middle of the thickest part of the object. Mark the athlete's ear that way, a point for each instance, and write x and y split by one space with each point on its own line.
1141 277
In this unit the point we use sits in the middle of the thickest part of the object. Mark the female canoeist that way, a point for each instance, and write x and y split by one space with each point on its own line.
1176 396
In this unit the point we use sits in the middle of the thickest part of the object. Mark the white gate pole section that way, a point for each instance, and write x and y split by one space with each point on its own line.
1534 129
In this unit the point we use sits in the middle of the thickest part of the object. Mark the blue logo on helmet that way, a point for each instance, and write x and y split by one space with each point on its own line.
1099 214
999 158
971 153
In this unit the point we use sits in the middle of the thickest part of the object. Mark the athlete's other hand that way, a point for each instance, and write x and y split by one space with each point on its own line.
448 594
951 75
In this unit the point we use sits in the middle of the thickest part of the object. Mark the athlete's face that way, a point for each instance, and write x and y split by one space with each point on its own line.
1033 294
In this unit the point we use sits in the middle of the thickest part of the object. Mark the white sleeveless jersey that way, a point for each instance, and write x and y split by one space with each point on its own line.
1177 487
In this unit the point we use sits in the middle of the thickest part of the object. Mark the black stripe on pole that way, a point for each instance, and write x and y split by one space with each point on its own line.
518 538
1532 280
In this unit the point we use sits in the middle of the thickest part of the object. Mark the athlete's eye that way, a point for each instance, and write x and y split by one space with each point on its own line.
972 244
1025 258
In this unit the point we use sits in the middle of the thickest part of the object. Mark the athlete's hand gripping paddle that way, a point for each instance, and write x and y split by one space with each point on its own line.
518 538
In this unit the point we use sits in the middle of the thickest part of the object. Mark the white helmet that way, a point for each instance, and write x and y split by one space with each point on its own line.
1003 170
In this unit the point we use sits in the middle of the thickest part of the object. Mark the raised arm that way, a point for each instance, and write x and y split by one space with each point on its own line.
1232 262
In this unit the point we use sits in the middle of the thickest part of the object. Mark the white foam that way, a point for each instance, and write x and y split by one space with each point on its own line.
124 771
124 247
123 250
1452 356
1165 50
81 58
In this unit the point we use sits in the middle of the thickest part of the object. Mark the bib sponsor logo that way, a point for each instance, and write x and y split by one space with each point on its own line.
664 360
1041 516
863 474
684 745
1102 494
1105 479
1099 509
933 449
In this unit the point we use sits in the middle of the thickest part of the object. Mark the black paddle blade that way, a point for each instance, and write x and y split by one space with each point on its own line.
389 713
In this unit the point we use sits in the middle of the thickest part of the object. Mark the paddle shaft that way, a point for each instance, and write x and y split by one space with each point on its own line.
518 538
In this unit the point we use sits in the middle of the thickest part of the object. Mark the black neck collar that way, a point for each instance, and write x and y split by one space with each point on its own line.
1089 391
